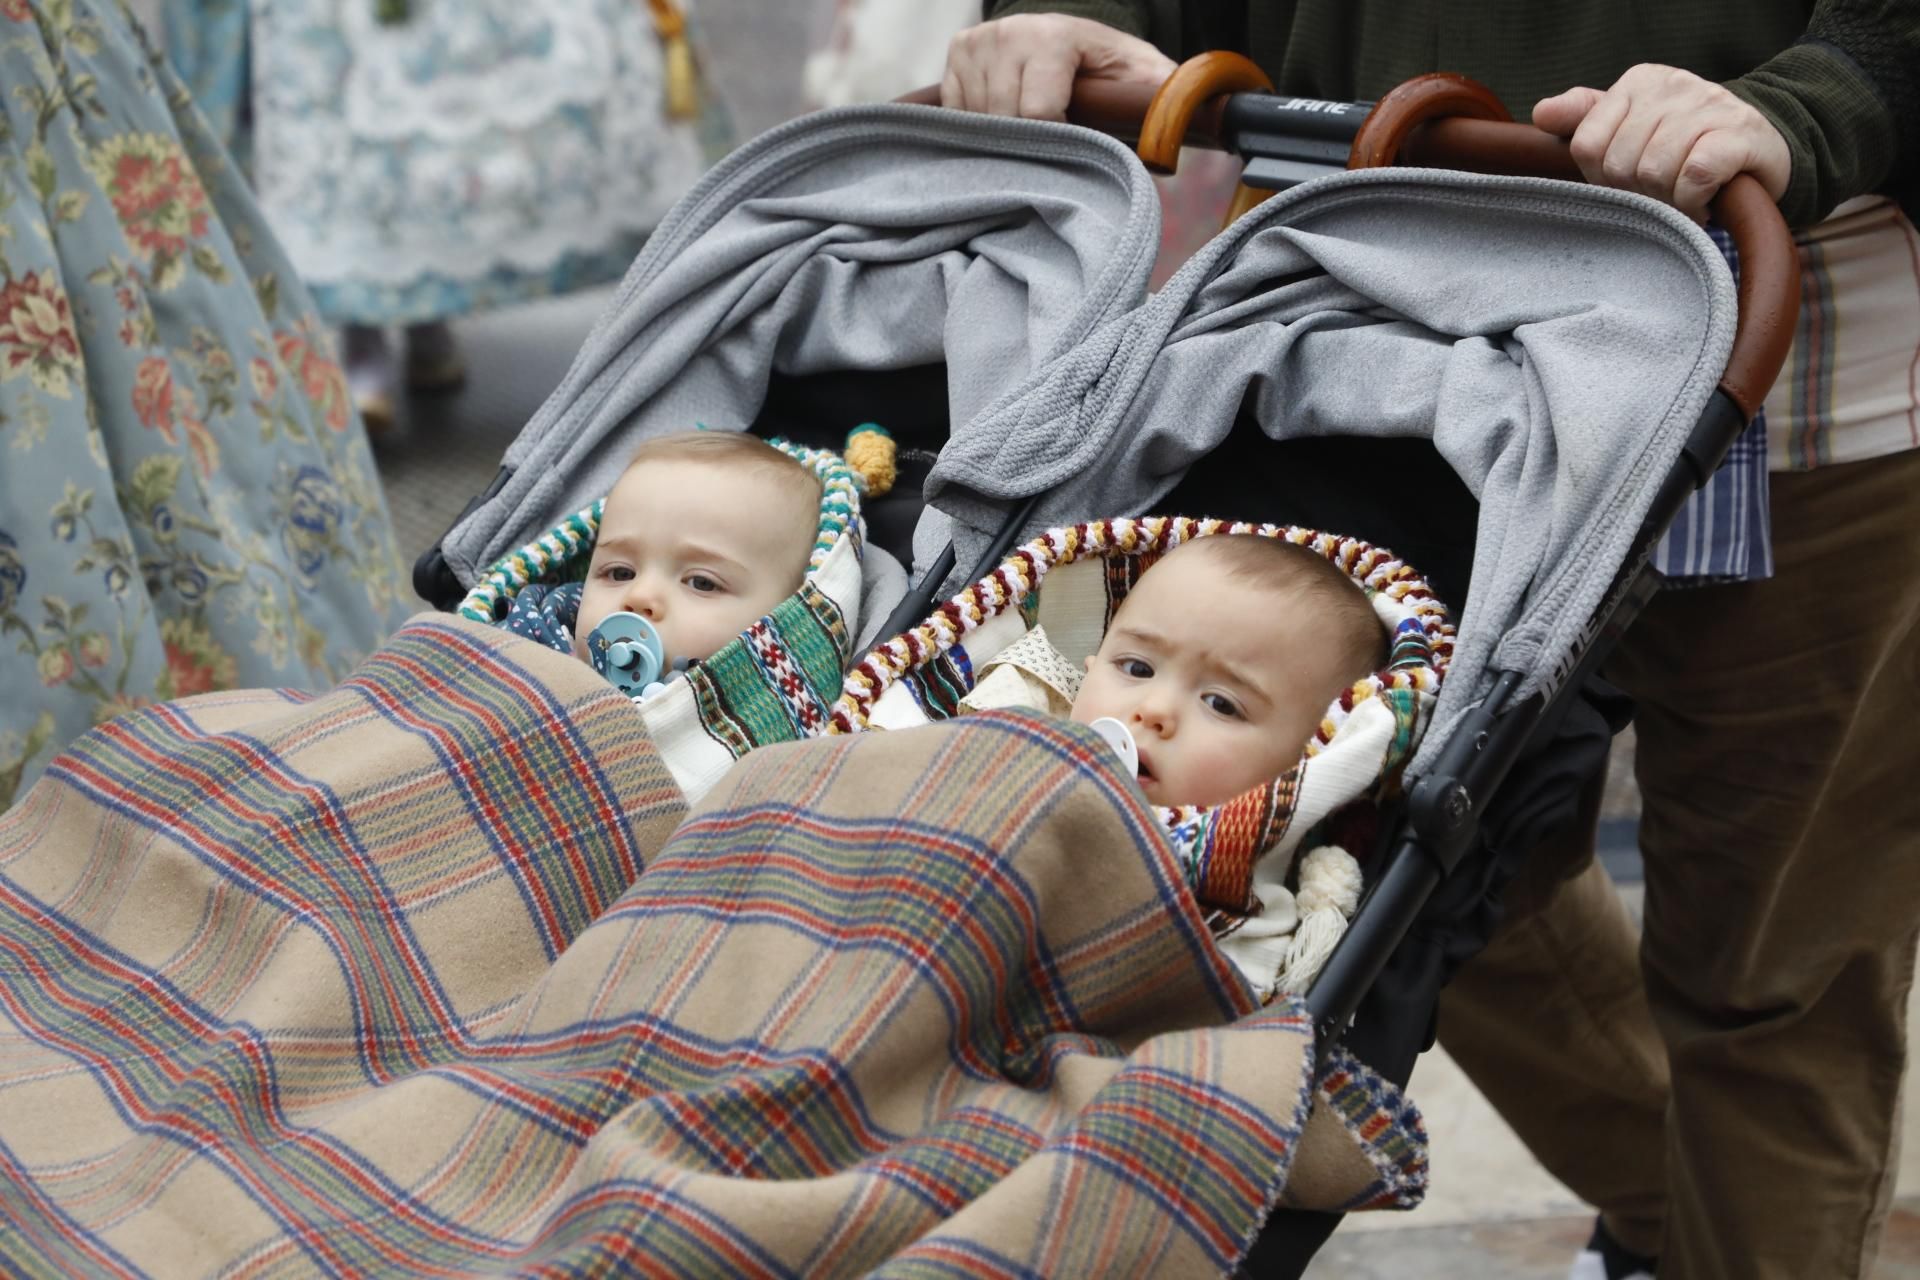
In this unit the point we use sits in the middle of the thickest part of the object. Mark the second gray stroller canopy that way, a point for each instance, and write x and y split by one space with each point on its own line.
872 238
1555 343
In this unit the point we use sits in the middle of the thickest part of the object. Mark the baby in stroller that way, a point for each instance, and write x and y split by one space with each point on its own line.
703 533
1221 662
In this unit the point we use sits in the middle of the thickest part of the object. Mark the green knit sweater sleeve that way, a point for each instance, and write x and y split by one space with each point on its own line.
1846 97
1130 16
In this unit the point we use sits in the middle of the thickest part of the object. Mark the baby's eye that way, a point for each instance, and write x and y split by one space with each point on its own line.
617 573
1222 705
703 584
1138 668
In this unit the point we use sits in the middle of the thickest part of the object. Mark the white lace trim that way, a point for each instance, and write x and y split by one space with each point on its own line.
481 134
452 73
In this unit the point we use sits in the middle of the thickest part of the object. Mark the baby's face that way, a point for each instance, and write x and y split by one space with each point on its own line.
699 549
1220 682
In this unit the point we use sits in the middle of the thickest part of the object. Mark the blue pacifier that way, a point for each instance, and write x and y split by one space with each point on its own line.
626 649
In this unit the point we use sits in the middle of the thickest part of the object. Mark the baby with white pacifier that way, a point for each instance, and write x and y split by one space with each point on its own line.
1219 664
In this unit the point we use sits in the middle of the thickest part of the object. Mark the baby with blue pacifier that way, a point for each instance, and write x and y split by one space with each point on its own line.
702 535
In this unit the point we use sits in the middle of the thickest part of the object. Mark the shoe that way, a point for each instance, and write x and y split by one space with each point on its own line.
1605 1258
370 375
376 411
434 362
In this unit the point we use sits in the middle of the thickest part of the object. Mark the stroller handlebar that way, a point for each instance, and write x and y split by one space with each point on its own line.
1443 121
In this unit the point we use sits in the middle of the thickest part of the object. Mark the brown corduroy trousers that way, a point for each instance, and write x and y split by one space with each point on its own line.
1725 1084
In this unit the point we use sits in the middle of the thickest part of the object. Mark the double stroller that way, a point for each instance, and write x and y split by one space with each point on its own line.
372 982
1512 382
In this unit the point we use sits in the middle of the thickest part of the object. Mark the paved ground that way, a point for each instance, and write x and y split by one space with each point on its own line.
1527 1250
1493 1214
444 449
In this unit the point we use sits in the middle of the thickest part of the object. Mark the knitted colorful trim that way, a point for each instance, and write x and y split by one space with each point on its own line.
772 683
567 546
1393 1133
1218 847
1417 662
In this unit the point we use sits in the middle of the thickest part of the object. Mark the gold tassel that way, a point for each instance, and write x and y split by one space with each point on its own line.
871 455
683 80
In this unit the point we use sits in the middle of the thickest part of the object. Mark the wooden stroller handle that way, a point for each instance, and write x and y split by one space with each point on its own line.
1183 111
1194 83
1430 97
1377 143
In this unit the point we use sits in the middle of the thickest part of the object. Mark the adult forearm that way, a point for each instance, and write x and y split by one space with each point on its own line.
1846 97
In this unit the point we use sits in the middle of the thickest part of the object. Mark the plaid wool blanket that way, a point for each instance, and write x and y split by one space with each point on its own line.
434 975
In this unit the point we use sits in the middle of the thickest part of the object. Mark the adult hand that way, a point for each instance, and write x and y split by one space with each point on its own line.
1025 65
1668 134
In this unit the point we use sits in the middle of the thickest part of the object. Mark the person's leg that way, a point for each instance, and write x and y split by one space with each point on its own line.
1781 832
371 378
434 361
1550 1022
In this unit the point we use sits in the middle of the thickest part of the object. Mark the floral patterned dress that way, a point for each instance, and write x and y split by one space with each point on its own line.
187 502
475 153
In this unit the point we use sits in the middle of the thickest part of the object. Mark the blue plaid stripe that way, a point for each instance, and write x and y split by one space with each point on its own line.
1724 533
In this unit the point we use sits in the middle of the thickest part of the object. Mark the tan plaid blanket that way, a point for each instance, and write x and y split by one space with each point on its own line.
373 983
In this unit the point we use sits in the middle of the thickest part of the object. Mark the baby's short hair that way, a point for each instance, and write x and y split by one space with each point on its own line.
728 448
1280 565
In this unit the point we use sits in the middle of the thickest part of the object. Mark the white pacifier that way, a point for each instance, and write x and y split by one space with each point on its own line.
1120 738
627 650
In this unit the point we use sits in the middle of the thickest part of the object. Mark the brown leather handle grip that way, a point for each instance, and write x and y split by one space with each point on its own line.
1405 107
1450 122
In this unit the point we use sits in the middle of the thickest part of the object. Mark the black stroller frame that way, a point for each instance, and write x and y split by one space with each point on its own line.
1222 101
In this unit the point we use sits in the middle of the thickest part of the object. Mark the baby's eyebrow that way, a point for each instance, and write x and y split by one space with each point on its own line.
703 551
1145 635
1237 676
1219 666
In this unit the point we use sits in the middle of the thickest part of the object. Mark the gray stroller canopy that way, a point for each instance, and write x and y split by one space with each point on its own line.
1555 342
867 238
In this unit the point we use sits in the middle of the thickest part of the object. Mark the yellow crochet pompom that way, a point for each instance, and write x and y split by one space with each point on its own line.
871 453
